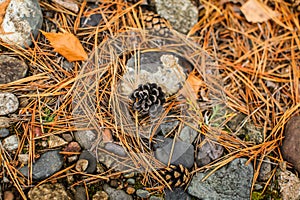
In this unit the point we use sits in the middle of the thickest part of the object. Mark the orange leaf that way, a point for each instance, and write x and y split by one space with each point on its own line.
3 7
191 86
67 45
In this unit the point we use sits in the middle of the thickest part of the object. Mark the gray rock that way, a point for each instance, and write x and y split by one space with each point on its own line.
92 162
168 70
115 194
22 18
8 103
23 158
265 170
188 134
115 149
166 127
48 191
11 143
4 132
80 193
231 182
85 138
130 181
290 146
49 163
208 152
182 15
177 194
11 69
183 153
156 198
4 122
142 193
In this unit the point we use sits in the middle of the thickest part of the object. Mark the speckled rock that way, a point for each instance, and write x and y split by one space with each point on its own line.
49 163
4 122
56 141
166 69
8 103
188 134
115 194
290 146
11 69
11 143
4 132
142 193
182 15
48 191
231 182
22 18
80 193
289 185
85 138
100 195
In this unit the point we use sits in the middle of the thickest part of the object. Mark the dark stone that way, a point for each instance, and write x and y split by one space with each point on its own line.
80 193
92 161
48 164
11 69
4 132
290 147
177 194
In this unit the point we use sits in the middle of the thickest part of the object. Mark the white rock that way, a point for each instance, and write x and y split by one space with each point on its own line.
22 18
8 103
11 143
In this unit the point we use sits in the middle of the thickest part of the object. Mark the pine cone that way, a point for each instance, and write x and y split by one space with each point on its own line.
176 176
155 24
147 99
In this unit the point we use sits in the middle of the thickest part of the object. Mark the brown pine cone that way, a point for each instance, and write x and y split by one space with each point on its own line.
176 176
155 24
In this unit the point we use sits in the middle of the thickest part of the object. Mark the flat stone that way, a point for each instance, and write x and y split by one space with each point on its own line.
4 132
49 191
80 193
23 158
11 69
289 185
177 194
21 20
73 147
4 122
182 15
231 182
183 153
115 149
11 143
8 103
168 70
188 134
168 126
55 141
265 170
290 148
48 164
85 138
115 194
142 193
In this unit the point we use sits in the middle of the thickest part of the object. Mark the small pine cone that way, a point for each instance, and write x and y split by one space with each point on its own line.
176 176
155 24
147 99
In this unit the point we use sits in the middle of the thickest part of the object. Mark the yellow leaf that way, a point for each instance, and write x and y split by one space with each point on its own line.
67 45
256 11
3 7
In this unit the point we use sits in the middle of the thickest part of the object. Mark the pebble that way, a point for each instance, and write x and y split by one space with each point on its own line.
182 15
73 147
48 191
289 185
100 195
183 153
290 146
4 122
72 158
130 181
55 141
142 193
11 69
265 170
68 137
11 143
68 4
85 138
91 20
129 175
23 158
177 194
80 193
8 195
168 126
115 149
81 165
208 152
115 194
158 198
114 183
232 181
4 132
48 164
188 134
92 162
8 103
21 20
130 190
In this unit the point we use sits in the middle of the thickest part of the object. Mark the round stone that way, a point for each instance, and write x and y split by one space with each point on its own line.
8 103
11 69
21 20
4 132
11 143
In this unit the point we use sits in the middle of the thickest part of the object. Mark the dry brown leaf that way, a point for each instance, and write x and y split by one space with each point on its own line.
191 86
3 7
256 11
67 45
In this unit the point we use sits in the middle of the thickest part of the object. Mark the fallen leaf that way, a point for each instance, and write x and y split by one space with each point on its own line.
3 7
256 11
191 87
67 45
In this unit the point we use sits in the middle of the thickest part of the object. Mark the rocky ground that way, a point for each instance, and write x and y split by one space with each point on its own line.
157 99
